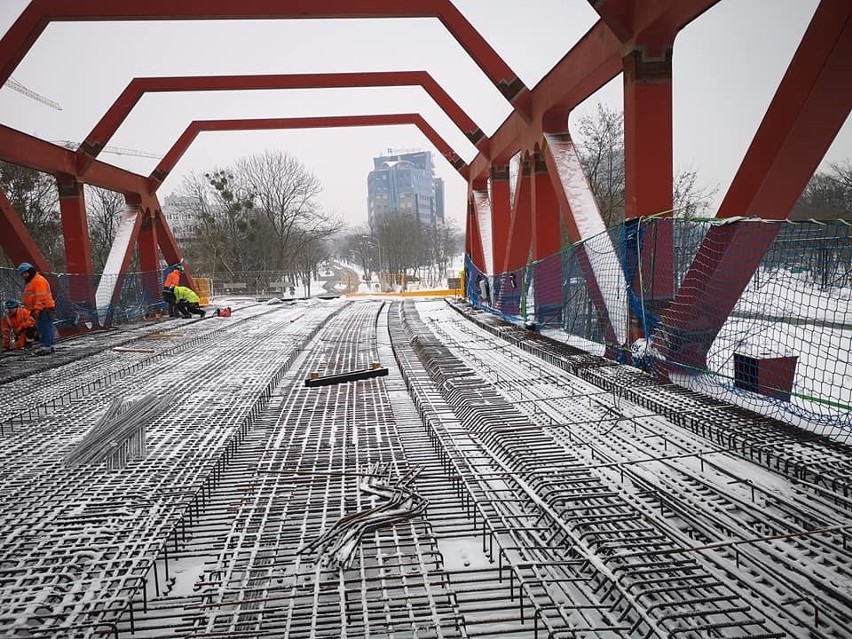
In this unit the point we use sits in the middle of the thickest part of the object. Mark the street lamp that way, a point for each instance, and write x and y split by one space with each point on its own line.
372 241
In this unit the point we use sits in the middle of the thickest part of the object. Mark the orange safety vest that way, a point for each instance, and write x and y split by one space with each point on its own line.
37 294
16 321
172 279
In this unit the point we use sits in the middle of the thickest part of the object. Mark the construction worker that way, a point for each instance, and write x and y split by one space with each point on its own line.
187 301
38 300
17 326
172 280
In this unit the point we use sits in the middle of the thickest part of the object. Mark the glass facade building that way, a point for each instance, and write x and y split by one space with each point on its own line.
405 184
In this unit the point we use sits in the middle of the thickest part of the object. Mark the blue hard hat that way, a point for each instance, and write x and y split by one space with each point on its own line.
10 304
23 267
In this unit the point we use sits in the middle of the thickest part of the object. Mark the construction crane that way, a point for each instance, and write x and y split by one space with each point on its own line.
117 150
13 84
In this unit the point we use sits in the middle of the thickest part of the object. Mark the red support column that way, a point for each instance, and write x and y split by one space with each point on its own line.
149 259
501 213
810 106
507 286
16 241
78 248
547 234
520 227
474 241
547 243
649 167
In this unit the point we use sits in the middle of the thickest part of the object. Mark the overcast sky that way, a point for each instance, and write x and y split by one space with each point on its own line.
727 65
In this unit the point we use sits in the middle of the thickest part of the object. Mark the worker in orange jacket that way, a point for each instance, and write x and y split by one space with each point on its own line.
172 280
39 302
17 325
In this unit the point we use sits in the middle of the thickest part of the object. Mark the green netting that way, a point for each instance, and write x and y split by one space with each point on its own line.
783 349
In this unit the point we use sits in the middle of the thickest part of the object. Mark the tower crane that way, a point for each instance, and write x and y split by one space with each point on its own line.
117 150
13 84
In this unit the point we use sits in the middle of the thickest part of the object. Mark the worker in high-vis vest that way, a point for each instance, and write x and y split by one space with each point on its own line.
172 280
38 300
17 326
187 301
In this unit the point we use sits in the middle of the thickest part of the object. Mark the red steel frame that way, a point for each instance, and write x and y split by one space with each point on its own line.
103 131
159 174
632 37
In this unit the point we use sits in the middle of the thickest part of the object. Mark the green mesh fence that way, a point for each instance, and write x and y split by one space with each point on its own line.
753 312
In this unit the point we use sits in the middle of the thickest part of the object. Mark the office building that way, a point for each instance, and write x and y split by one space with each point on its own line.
403 183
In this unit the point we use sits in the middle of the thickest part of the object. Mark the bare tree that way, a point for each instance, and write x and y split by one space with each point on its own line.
36 199
314 251
691 199
601 147
233 219
284 191
355 247
104 209
828 195
399 239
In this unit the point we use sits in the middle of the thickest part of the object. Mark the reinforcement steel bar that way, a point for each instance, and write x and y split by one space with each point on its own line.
77 546
554 505
608 462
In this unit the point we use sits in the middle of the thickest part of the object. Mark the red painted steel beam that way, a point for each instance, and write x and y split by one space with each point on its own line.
78 247
25 150
39 13
591 63
648 140
501 213
809 108
75 226
618 15
149 259
147 248
473 239
546 244
16 241
124 104
520 225
264 124
546 231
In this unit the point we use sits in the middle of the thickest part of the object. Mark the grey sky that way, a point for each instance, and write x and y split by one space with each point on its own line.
727 66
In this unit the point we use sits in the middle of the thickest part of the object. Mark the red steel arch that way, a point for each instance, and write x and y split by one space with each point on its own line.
127 100
174 154
39 13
